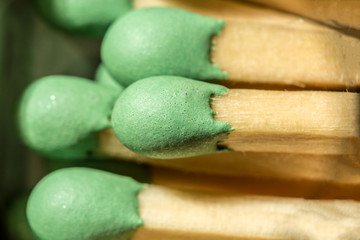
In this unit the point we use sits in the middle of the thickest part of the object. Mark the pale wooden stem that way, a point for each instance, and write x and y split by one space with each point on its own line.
230 10
260 53
265 186
339 14
312 122
332 168
261 46
175 214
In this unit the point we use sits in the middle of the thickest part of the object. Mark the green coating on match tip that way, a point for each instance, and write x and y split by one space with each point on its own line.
161 41
169 117
59 116
103 76
83 203
83 17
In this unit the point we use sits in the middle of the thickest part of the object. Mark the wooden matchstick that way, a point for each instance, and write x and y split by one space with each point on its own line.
170 117
338 14
246 50
257 185
341 169
103 206
290 121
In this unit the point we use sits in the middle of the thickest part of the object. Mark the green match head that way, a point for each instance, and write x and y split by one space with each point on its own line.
161 41
83 17
168 117
59 116
87 204
103 76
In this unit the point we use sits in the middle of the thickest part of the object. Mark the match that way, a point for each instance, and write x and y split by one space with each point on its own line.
107 206
140 44
174 117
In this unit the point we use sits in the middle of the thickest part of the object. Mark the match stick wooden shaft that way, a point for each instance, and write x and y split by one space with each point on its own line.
280 54
175 214
339 14
230 10
342 169
313 122
264 186
261 46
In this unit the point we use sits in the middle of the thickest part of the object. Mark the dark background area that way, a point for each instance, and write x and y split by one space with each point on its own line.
30 49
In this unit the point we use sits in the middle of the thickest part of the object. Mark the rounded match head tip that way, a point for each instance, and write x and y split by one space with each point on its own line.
168 117
81 203
143 44
59 116
83 17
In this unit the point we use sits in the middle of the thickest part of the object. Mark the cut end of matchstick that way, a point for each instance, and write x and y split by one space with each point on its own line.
81 203
143 44
59 116
169 117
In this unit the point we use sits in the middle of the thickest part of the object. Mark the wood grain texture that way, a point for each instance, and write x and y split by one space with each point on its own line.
280 54
250 185
321 167
189 214
338 14
312 122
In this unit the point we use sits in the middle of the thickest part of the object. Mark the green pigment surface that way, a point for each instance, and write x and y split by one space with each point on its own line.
161 41
103 76
169 117
86 204
83 17
60 116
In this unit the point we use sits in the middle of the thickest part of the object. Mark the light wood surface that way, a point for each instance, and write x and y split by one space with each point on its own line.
267 47
280 54
177 214
339 14
342 169
312 122
250 185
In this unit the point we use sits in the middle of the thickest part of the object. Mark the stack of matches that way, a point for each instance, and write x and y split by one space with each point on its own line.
291 114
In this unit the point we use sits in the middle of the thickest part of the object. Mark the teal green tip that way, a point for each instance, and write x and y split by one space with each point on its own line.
60 116
161 41
169 117
83 17
103 77
82 203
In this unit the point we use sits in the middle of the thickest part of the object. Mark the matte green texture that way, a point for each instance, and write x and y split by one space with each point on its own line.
60 116
169 117
103 76
83 17
86 204
161 41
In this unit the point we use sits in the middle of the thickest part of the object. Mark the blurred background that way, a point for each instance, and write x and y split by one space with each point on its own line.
30 49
